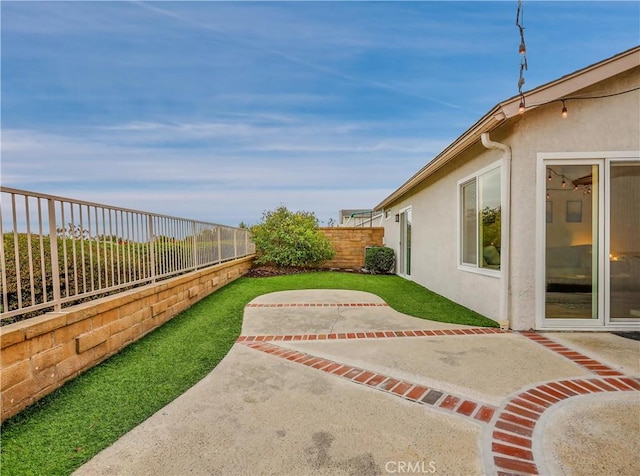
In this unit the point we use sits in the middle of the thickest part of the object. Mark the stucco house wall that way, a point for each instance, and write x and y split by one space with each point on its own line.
607 124
434 252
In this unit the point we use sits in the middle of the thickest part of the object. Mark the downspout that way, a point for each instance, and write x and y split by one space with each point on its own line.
506 226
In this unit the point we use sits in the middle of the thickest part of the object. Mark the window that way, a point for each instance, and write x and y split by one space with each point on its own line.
480 227
469 223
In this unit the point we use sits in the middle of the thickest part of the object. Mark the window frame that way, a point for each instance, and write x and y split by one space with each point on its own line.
475 177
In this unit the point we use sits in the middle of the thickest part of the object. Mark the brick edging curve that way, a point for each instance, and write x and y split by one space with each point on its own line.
509 429
512 427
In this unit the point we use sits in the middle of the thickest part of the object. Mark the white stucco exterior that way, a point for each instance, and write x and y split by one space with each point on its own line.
593 126
434 238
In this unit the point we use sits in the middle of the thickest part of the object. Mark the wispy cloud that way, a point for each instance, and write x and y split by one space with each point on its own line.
269 134
271 161
314 66
219 110
221 207
193 184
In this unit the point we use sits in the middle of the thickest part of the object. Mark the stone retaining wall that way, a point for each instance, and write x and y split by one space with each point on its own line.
40 354
350 244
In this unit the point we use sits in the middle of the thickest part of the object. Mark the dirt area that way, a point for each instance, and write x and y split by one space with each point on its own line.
268 271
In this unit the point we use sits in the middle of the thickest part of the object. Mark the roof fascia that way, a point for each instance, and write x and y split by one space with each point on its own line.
549 92
488 122
569 84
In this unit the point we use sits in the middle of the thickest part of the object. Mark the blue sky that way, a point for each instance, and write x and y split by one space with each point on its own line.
221 110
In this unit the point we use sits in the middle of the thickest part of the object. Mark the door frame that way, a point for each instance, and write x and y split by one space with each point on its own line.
602 159
402 258
607 263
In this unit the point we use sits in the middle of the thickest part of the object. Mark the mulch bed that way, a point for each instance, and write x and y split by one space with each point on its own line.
268 271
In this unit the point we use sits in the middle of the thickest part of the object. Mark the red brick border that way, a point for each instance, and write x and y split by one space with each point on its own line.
307 304
511 426
588 363
514 424
372 334
476 411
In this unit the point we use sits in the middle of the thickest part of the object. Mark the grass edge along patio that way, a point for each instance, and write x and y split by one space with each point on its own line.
66 428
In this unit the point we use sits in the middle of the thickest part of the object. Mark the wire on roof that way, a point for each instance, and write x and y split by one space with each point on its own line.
523 52
563 100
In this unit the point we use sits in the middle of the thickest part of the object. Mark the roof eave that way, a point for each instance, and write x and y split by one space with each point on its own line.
544 94
487 123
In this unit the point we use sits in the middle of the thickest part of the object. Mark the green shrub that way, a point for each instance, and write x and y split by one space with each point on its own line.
379 259
491 227
285 238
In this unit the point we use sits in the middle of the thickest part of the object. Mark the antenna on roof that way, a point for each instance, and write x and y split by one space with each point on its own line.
523 52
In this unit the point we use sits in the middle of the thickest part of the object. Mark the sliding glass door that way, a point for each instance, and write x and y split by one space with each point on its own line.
572 241
592 242
624 239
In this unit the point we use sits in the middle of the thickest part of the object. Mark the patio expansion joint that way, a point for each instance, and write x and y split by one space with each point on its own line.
475 411
333 324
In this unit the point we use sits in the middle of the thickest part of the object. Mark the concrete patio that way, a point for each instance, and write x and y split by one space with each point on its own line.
336 382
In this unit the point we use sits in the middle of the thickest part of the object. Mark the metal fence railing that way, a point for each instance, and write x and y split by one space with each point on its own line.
57 251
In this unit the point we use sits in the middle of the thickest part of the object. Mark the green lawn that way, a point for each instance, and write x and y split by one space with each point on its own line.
68 427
